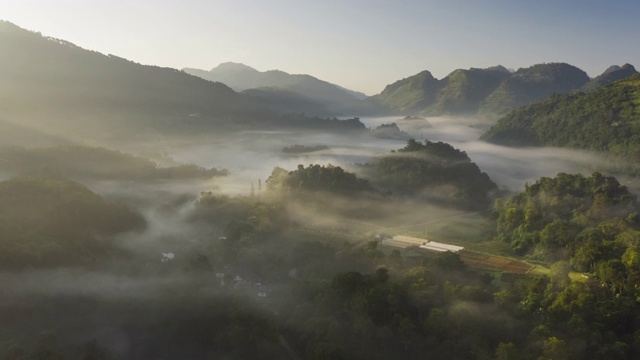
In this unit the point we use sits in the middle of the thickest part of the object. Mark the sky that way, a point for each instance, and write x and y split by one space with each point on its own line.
362 45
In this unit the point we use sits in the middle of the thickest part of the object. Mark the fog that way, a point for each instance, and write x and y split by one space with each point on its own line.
251 156
144 273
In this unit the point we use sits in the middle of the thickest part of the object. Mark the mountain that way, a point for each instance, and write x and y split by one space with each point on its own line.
489 91
412 94
613 73
528 85
286 101
336 99
71 88
12 134
607 119
237 76
62 89
464 90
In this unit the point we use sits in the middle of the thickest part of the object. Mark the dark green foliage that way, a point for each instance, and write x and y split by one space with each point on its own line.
605 120
588 224
448 261
567 217
409 313
47 221
435 171
316 178
331 301
251 236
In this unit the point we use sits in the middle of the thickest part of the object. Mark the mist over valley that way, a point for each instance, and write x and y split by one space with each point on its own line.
148 212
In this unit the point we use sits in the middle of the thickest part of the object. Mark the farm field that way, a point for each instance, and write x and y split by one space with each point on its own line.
480 260
469 257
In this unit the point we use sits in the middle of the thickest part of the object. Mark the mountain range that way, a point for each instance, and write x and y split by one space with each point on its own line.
490 92
71 90
280 89
76 91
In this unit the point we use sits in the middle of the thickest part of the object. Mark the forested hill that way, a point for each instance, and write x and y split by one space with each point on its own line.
568 217
73 90
490 92
73 87
91 163
434 171
52 221
459 92
605 120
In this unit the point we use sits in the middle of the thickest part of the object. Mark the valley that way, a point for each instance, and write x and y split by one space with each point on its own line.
148 212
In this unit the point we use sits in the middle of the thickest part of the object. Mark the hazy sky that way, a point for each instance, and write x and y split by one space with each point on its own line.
359 44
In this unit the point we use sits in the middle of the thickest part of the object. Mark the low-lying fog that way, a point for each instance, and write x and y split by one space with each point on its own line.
252 155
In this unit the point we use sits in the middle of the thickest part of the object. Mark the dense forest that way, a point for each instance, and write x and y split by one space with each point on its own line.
316 178
606 120
435 171
321 295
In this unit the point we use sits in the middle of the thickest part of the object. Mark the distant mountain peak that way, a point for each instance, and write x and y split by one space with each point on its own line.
489 91
499 68
337 100
612 74
612 68
276 71
233 66
627 66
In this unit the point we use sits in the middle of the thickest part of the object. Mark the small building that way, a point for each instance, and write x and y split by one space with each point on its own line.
403 242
